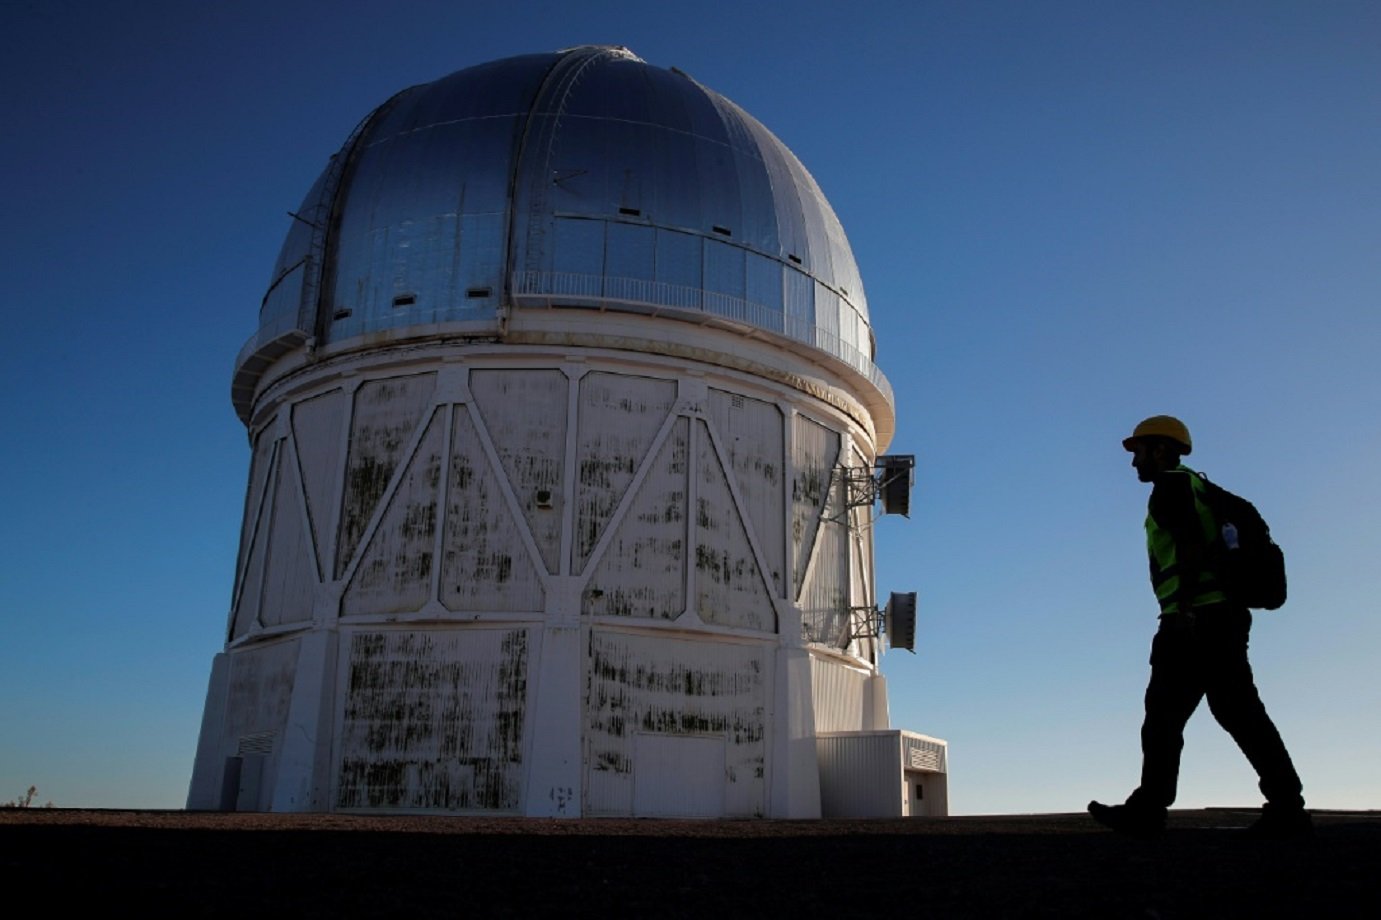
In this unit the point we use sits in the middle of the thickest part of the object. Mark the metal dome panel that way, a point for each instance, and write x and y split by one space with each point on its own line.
580 178
423 212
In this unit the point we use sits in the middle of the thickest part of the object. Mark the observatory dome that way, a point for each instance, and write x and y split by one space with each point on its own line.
565 440
582 178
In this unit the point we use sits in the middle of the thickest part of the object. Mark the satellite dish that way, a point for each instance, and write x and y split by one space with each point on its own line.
900 619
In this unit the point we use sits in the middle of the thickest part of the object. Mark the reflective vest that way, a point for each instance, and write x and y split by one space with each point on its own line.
1165 576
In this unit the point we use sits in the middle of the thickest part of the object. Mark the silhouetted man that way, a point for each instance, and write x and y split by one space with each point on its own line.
1199 650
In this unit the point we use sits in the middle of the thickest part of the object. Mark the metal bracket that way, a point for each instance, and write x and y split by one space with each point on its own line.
897 621
889 480
865 622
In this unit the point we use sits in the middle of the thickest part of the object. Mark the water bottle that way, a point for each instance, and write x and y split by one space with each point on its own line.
1230 535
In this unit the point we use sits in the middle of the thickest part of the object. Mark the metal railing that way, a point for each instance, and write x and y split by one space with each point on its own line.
635 295
643 296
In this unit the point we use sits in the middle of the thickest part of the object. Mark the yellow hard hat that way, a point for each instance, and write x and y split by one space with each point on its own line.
1163 426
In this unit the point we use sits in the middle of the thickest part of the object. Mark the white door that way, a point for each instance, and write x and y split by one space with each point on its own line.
916 805
678 776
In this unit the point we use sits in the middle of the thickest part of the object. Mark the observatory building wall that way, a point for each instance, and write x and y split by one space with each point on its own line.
449 515
561 390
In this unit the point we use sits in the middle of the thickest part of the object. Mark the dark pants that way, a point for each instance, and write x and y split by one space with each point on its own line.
1207 656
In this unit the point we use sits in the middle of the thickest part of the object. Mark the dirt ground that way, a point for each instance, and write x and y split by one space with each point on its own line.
125 863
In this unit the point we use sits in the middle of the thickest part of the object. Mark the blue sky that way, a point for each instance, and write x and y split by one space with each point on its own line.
1068 216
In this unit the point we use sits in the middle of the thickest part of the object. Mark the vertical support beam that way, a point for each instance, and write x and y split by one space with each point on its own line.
574 372
875 715
795 775
556 682
301 781
692 394
443 494
556 695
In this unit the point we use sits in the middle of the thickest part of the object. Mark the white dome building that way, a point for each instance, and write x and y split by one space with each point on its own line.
559 388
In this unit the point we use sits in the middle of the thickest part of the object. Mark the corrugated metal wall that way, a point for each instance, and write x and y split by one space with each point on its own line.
751 436
860 775
259 694
489 561
530 444
384 423
838 692
619 415
456 495
666 691
393 573
820 534
485 462
433 720
641 570
881 774
318 425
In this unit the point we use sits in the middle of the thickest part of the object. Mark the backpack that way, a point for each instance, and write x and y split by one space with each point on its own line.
1251 564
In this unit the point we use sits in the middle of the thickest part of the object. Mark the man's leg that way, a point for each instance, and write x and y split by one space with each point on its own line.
1236 704
1172 696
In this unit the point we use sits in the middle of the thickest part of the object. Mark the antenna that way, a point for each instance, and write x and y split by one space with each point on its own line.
896 474
899 621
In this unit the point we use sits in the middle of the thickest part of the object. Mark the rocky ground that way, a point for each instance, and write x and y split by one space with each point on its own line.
126 863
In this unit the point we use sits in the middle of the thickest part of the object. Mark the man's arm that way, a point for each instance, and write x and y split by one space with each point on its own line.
1172 505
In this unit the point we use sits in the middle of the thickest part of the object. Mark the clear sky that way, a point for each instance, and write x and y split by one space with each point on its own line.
1068 215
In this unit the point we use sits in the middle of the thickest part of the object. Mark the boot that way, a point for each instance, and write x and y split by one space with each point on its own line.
1278 823
1129 820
